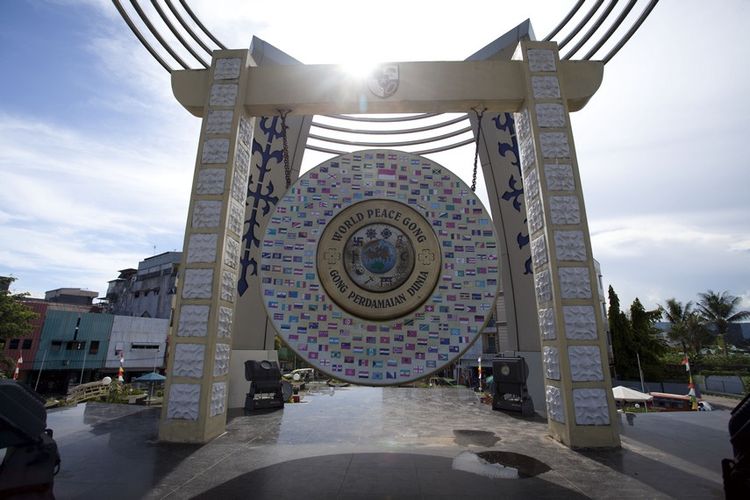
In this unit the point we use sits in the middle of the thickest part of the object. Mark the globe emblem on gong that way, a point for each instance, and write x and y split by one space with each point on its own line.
378 257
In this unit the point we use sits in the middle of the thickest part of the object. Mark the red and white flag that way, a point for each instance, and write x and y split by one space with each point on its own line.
18 367
686 363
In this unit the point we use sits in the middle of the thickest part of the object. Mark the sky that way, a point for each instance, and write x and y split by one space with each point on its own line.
96 155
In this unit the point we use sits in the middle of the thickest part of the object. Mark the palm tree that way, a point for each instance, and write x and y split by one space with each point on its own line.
687 327
720 309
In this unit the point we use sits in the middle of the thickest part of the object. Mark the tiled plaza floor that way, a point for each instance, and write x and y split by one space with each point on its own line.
361 442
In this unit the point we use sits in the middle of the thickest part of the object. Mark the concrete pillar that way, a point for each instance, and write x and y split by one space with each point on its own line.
195 398
580 406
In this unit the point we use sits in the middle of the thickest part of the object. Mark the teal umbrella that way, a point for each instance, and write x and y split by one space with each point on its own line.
151 377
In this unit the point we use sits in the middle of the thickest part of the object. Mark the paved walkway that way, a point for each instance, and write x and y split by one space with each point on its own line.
364 442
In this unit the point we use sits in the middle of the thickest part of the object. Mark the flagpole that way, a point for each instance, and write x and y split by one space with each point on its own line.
39 375
640 372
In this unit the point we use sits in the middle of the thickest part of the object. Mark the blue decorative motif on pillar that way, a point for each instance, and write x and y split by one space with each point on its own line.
260 194
504 121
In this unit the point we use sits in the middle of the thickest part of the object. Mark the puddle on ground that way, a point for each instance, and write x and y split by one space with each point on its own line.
466 437
499 464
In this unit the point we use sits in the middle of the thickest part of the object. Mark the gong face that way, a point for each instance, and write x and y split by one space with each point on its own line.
379 267
378 259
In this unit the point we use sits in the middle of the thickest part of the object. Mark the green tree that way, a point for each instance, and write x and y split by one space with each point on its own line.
719 310
622 341
15 322
687 326
646 339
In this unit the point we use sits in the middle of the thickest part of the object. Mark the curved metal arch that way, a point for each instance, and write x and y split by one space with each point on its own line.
585 38
187 27
375 119
446 123
611 30
140 37
156 34
412 142
179 17
177 33
581 24
612 53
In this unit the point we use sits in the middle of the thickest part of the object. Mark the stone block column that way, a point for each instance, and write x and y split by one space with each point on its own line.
580 406
195 397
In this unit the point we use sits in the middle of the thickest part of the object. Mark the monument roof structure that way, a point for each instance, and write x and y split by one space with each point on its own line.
177 38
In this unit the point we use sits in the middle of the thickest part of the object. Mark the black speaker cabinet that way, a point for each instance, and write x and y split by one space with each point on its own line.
511 393
265 385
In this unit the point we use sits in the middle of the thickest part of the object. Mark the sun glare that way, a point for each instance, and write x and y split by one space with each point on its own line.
359 69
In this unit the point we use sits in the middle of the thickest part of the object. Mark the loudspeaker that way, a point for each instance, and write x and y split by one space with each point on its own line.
513 370
511 393
264 378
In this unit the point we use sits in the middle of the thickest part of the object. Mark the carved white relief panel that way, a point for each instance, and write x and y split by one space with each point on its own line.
591 406
206 214
531 184
570 245
564 210
202 248
555 408
580 322
183 401
225 322
232 253
574 283
198 283
228 280
547 324
545 87
535 214
227 69
554 144
245 134
550 115
541 60
543 286
551 358
221 359
223 94
539 250
210 181
236 217
215 151
526 151
219 121
218 398
193 321
188 360
559 177
585 363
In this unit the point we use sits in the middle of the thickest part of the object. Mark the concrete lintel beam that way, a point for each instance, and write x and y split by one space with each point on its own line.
424 87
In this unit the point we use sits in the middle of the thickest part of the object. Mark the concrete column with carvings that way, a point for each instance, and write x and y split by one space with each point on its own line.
195 396
580 406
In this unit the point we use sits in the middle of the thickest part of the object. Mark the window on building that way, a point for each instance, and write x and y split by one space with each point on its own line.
491 343
26 344
13 344
56 345
145 315
94 347
144 346
137 294
75 345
